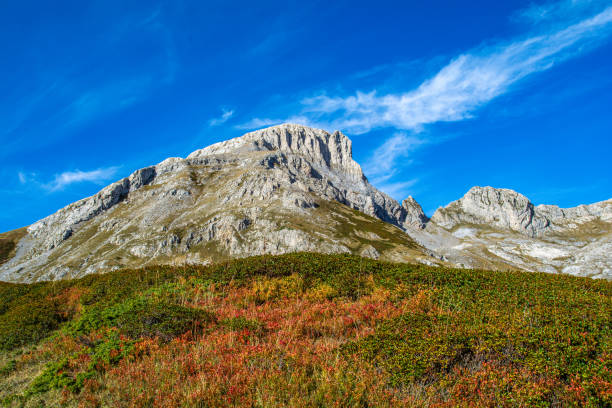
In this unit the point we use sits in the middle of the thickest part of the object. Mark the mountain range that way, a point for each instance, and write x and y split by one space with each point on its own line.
292 188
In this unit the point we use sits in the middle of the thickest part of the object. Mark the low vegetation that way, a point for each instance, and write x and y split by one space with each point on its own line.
307 330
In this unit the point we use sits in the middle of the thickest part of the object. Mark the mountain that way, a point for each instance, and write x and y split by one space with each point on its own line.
283 189
502 229
293 188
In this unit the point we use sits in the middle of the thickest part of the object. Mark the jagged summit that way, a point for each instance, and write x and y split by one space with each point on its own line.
498 207
333 150
414 213
501 229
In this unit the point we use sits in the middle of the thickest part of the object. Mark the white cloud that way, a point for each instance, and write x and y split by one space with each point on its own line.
67 178
257 123
26 178
383 163
556 12
559 31
225 116
468 82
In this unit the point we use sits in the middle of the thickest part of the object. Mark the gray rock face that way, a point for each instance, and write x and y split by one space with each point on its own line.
501 229
415 217
51 231
506 209
329 151
282 189
501 208
292 188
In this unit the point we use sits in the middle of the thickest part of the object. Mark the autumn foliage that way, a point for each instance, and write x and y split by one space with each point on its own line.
308 330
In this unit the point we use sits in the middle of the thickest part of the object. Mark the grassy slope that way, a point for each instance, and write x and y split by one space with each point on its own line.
307 330
8 243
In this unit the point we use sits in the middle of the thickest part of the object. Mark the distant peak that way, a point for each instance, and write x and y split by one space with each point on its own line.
495 207
414 215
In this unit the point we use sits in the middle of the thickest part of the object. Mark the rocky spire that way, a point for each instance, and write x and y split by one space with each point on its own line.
414 215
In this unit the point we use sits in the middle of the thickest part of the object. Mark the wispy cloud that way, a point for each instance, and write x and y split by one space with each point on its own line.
67 97
468 82
23 178
382 164
556 12
399 190
225 116
98 176
464 85
560 31
105 99
385 162
257 123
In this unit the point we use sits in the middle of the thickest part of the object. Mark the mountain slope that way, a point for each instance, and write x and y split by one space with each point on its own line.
307 330
293 188
282 189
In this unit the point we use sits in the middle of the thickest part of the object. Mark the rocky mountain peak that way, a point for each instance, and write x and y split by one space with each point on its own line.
508 210
496 207
279 189
330 150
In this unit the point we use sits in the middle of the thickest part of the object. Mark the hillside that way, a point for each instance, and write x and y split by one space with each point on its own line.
307 330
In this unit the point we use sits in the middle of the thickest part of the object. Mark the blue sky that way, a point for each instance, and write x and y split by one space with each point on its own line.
437 96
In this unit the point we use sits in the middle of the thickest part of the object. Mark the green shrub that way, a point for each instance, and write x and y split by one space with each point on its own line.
143 317
29 322
8 368
53 376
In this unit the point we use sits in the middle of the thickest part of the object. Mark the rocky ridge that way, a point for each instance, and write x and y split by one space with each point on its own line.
293 188
502 229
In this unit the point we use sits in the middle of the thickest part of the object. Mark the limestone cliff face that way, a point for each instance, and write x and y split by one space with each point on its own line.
498 207
415 217
328 151
506 209
282 189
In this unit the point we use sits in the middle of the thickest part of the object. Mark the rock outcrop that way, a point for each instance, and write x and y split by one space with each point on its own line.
415 217
497 207
506 209
502 229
